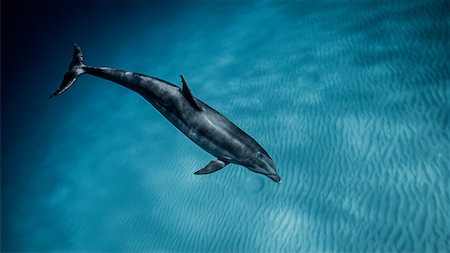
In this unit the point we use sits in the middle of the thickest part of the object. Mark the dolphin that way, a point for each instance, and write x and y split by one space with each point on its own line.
198 121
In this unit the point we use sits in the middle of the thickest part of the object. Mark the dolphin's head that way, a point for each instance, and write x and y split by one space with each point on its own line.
263 164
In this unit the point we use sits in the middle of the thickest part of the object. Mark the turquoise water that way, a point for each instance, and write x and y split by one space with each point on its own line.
351 100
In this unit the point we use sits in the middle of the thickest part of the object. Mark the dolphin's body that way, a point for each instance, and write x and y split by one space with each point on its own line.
199 122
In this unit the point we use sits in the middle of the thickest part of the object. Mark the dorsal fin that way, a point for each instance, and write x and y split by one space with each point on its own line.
188 94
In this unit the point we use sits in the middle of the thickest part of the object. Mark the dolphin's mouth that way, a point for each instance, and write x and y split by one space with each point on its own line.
275 178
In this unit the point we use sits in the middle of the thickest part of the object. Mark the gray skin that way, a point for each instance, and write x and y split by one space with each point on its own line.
199 122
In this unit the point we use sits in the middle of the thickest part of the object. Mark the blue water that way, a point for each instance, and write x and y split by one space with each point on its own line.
351 100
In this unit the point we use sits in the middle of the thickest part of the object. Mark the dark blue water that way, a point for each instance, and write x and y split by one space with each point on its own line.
351 99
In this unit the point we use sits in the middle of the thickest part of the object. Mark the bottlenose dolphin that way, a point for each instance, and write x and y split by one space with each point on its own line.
198 121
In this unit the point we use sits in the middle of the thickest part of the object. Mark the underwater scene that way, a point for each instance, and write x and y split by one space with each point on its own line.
349 98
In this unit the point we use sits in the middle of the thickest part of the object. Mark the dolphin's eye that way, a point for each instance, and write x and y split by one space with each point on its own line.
260 155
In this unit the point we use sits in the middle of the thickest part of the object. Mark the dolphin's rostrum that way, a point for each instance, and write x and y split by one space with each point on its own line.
199 122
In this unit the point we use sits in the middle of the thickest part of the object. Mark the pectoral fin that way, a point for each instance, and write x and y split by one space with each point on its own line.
212 167
188 94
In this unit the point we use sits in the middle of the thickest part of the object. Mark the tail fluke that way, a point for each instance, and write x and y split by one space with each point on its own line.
75 70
